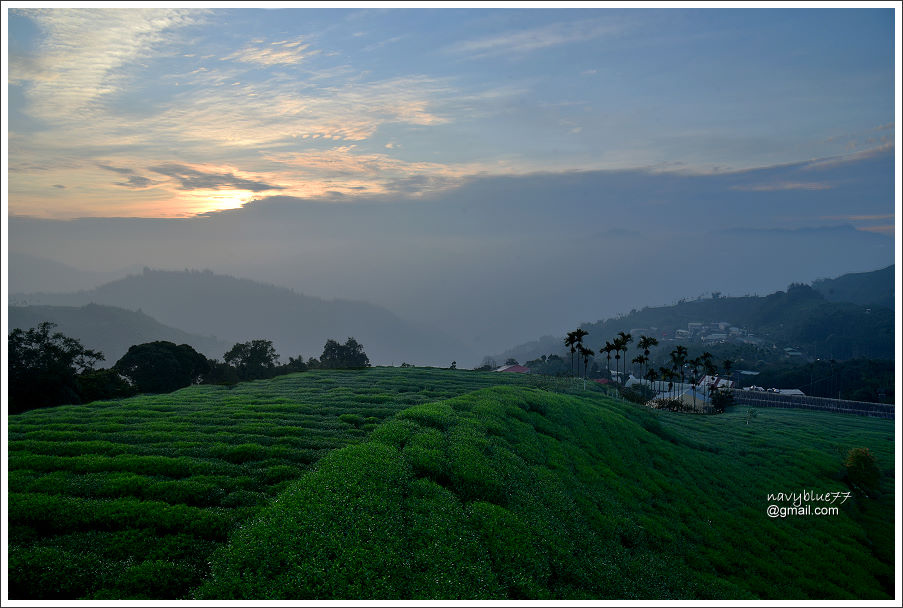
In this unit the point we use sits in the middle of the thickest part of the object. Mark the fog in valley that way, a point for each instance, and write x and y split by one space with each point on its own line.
494 261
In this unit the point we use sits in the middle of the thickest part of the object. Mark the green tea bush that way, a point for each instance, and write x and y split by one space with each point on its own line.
438 415
54 574
352 419
498 492
862 471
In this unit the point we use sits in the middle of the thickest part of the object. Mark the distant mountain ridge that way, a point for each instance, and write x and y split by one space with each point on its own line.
802 317
28 274
110 329
874 288
236 309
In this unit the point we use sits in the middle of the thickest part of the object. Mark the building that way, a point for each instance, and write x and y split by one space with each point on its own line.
516 369
715 382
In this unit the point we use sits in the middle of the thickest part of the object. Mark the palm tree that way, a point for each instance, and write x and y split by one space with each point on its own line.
607 350
695 363
640 360
617 344
727 364
709 368
625 340
586 353
646 343
570 341
579 334
651 375
678 358
668 375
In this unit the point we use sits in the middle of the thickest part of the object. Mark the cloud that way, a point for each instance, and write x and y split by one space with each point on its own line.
859 218
834 161
190 178
346 169
78 63
888 229
284 52
137 182
521 42
770 187
382 43
122 170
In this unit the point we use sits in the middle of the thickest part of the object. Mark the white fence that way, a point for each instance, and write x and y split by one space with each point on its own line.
860 408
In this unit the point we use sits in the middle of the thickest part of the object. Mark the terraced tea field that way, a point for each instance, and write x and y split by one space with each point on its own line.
128 499
420 483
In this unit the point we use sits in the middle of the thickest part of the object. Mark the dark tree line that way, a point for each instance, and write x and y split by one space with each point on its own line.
47 368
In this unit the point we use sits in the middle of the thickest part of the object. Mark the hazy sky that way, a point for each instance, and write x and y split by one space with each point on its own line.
173 112
499 173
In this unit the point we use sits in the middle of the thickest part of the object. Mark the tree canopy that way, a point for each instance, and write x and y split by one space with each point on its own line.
162 367
350 354
44 367
253 360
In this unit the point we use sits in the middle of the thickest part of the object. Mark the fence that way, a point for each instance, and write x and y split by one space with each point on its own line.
860 408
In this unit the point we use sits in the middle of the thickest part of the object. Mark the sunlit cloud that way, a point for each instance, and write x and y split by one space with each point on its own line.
525 41
79 63
346 170
771 187
284 52
191 178
834 161
859 218
887 229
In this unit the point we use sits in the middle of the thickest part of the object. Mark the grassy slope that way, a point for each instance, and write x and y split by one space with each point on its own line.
515 492
505 492
128 499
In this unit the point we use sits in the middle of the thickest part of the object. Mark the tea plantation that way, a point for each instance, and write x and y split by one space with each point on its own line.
423 483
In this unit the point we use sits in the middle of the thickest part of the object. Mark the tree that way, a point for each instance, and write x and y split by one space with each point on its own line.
696 362
585 354
293 365
678 358
253 360
708 366
625 339
570 341
607 350
640 360
97 384
221 373
579 334
43 368
646 343
162 367
651 375
862 472
511 361
350 354
727 365
454 365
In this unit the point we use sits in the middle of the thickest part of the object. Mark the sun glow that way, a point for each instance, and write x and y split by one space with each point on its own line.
205 201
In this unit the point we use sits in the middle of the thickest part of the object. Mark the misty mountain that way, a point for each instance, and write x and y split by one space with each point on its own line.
864 288
800 317
496 260
109 329
29 273
238 310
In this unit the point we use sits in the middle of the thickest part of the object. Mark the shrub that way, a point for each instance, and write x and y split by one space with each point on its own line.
352 419
862 471
722 399
638 394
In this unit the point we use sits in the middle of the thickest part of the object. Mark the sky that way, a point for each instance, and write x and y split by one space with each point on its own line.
174 112
503 172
